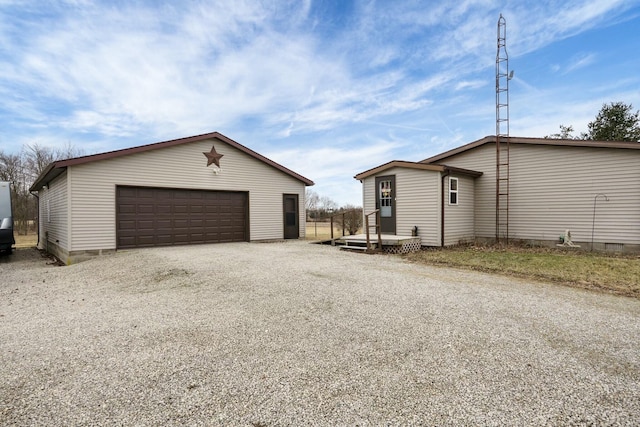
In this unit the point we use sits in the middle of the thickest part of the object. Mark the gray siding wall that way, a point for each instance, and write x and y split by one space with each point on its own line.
417 202
459 219
54 218
93 185
553 188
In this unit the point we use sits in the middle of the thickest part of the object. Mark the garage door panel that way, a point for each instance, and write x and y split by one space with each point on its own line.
146 209
180 209
163 217
162 223
145 240
128 240
147 224
163 208
197 237
163 239
145 193
180 223
126 225
127 192
127 208
182 238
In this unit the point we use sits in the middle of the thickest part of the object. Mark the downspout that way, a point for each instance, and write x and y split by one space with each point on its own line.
38 217
443 176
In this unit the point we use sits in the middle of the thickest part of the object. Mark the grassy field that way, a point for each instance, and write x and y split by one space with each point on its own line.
606 272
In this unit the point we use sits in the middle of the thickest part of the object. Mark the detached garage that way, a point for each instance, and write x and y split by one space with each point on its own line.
202 189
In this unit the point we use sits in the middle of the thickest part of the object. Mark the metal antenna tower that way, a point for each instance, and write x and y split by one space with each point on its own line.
502 134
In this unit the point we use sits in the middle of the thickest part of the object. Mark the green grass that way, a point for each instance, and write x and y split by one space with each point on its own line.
611 273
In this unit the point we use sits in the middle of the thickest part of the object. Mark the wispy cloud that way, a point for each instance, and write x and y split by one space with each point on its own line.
580 61
379 80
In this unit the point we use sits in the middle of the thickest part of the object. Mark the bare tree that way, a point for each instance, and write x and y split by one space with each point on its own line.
326 205
21 170
311 200
10 167
566 132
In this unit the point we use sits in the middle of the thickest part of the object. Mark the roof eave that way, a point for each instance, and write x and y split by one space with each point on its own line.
49 173
397 164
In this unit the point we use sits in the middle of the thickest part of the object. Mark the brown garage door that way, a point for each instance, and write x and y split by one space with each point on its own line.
168 216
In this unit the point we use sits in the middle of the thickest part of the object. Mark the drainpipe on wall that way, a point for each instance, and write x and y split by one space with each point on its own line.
37 217
444 175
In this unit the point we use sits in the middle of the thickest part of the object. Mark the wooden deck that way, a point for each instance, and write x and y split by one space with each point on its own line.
390 243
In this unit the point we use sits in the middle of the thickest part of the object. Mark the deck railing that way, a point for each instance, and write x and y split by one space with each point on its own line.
367 226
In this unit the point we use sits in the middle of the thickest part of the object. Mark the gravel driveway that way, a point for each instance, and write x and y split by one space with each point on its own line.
294 333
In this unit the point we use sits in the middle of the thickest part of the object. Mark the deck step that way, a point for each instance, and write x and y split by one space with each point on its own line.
353 248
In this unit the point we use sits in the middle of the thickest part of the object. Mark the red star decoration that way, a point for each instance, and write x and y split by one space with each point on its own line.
213 157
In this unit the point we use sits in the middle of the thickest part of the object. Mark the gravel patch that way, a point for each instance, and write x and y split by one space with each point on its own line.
295 333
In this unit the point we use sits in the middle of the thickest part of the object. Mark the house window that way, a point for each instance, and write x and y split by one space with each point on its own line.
453 191
385 199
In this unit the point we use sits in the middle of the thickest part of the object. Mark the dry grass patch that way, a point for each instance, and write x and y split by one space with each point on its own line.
611 273
26 241
322 231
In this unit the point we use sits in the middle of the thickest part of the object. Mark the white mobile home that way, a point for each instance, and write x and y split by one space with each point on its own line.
201 189
591 188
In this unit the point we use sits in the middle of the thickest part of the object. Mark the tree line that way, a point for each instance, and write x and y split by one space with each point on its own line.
21 170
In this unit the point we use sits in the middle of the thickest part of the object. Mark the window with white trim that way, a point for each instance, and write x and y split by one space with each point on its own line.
453 191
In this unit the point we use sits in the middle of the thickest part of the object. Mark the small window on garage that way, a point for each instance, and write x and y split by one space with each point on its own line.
453 191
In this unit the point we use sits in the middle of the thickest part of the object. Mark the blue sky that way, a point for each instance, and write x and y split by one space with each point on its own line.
327 88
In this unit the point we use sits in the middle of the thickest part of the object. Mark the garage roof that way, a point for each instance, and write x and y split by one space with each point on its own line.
56 168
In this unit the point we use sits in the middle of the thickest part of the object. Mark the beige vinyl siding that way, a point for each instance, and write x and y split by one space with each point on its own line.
459 219
54 213
369 203
417 202
482 159
184 166
552 188
369 194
